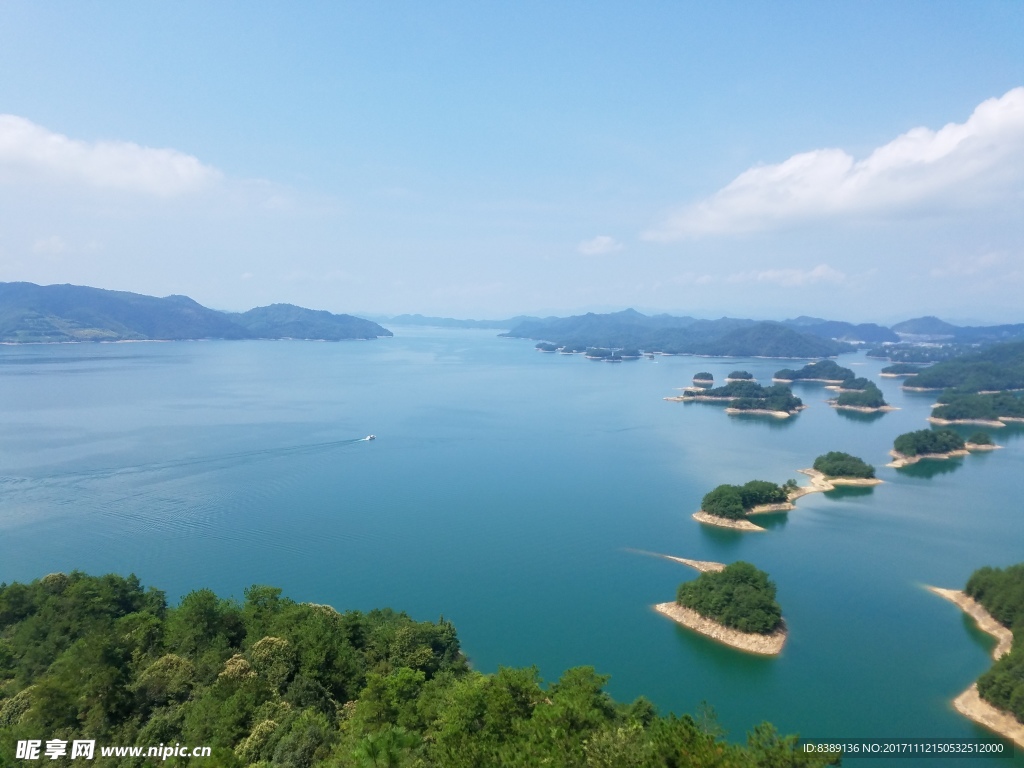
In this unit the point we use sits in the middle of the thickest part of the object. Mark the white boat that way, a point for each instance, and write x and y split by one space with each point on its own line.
370 437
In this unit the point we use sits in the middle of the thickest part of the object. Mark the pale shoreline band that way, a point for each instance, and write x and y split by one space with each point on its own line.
969 703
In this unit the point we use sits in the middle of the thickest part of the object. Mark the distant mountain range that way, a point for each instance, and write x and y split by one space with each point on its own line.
933 329
58 313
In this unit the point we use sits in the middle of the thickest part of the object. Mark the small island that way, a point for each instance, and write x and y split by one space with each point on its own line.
735 606
748 397
911 447
899 370
827 371
546 346
739 376
703 379
989 410
727 506
867 400
994 598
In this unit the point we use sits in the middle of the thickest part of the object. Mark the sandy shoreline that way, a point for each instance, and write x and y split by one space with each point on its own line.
862 408
823 381
701 565
740 525
759 412
896 375
980 422
969 703
901 460
765 645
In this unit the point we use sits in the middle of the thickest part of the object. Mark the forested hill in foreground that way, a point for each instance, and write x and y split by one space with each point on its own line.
56 313
680 335
273 682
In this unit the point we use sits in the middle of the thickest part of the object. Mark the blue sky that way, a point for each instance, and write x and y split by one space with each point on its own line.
860 160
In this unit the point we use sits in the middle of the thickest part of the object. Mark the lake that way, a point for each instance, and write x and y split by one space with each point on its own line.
513 492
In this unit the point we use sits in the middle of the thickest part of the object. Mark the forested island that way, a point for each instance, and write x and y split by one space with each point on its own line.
999 367
735 605
868 400
703 379
828 371
911 447
272 682
898 370
728 505
739 376
838 465
994 597
32 313
992 410
728 337
745 396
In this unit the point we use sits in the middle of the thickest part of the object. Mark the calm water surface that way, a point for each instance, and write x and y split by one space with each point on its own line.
507 490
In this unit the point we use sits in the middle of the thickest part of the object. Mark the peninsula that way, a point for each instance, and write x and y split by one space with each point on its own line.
729 506
994 409
993 598
827 371
734 605
996 368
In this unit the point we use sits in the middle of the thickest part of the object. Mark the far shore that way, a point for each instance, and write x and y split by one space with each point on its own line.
969 703
764 645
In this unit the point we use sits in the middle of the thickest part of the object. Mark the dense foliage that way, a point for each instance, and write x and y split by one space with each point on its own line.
546 346
839 464
49 313
734 501
679 335
870 397
749 395
1001 592
738 375
956 405
703 376
928 441
740 596
997 367
827 370
271 682
859 383
902 369
980 438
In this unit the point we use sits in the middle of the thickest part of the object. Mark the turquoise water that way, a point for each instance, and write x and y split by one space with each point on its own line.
506 491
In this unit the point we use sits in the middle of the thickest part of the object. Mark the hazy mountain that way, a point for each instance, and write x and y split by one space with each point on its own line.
51 313
837 329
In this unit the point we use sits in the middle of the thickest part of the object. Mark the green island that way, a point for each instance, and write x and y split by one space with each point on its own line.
546 346
868 400
992 410
836 464
735 605
703 379
994 598
269 681
996 368
901 369
911 447
747 397
858 384
728 505
828 371
740 376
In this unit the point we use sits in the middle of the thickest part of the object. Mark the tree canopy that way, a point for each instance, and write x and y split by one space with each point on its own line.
272 682
740 597
839 464
734 501
928 441
1001 592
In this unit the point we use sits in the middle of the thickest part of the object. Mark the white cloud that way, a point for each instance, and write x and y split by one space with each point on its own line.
599 245
50 246
791 277
30 152
956 165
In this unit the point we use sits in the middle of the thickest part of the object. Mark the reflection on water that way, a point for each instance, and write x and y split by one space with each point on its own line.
861 416
771 520
927 468
758 420
849 491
